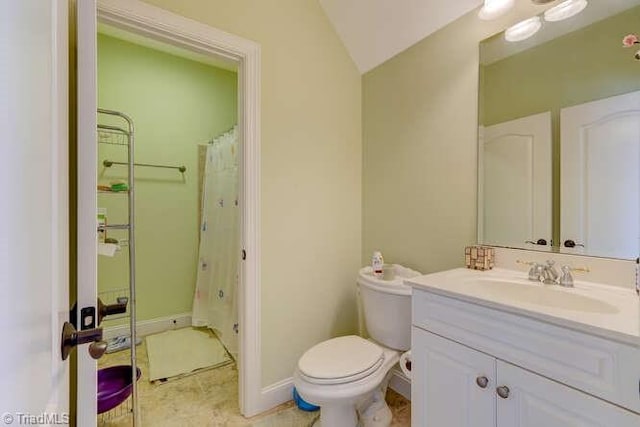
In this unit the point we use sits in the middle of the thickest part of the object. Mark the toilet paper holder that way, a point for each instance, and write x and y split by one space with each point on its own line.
405 363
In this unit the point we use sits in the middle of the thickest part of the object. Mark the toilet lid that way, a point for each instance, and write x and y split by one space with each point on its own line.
347 357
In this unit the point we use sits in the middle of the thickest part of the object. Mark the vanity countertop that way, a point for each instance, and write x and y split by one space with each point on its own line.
594 308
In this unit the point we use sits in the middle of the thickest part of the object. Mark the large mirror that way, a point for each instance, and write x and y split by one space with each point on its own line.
559 135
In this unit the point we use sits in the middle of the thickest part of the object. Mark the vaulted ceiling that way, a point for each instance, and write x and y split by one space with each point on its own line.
376 30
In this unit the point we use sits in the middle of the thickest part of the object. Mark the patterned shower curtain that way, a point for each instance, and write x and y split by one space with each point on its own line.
214 303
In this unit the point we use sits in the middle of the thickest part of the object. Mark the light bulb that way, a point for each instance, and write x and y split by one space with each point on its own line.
565 10
523 30
493 9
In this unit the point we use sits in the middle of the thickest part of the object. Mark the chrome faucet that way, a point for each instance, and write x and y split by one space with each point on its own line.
566 279
549 274
535 272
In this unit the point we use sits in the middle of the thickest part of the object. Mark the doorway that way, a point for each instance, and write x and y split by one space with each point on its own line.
185 209
164 27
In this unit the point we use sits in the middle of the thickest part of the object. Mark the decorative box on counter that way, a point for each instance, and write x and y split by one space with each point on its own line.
479 257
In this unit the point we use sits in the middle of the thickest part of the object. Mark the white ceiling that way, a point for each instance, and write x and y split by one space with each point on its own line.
376 30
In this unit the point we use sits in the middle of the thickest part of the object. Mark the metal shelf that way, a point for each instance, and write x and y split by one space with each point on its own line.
124 136
114 227
113 192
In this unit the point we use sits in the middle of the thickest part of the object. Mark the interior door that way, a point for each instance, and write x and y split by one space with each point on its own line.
87 197
515 181
34 249
600 173
452 385
534 401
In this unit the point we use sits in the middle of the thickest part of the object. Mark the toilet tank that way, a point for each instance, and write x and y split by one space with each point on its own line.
386 304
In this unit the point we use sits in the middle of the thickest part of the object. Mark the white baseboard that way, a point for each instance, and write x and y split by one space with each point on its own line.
276 394
400 383
280 392
151 326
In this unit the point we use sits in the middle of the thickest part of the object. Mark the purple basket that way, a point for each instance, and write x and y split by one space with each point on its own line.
114 386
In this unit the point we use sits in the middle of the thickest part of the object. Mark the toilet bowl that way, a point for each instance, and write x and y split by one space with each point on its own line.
348 376
339 375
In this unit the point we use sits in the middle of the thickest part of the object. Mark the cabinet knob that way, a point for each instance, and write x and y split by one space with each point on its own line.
482 382
503 391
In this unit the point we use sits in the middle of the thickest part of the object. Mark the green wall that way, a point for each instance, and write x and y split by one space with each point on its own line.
176 105
582 66
420 139
310 172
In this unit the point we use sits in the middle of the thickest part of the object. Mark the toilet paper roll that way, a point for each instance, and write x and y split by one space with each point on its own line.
107 249
405 363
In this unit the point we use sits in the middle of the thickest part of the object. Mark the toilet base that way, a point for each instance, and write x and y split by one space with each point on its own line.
376 412
372 411
338 416
381 417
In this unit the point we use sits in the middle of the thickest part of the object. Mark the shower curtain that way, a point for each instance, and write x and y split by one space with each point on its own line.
214 303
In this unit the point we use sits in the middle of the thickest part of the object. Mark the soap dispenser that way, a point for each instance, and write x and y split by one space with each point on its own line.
377 263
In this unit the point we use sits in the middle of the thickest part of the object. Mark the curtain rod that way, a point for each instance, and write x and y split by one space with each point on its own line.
109 163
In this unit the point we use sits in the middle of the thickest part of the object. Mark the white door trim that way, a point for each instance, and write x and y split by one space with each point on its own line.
60 197
87 239
159 24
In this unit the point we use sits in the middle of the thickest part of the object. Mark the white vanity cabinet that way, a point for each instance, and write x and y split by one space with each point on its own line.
533 400
444 391
474 366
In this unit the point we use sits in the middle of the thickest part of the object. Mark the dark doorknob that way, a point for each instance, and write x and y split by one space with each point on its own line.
72 338
572 244
541 242
111 309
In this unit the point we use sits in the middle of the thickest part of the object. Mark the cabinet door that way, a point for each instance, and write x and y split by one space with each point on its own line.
444 386
535 401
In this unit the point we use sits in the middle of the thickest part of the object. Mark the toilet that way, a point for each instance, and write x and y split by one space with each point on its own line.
348 376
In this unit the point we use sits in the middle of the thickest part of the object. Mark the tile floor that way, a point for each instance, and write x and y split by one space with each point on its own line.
210 398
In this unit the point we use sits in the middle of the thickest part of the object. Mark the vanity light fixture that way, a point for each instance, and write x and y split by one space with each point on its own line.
493 9
565 10
523 29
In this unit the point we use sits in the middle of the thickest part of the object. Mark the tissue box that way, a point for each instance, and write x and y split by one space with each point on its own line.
479 257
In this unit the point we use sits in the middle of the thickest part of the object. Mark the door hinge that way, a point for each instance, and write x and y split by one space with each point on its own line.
638 276
73 315
244 255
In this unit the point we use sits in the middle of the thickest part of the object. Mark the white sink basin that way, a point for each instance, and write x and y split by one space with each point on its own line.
537 294
594 308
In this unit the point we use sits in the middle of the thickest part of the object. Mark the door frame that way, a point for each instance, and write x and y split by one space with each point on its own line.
158 24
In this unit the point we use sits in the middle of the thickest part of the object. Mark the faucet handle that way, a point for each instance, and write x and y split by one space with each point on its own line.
551 270
566 279
535 271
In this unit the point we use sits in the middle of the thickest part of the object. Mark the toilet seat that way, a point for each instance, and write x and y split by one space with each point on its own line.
340 360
